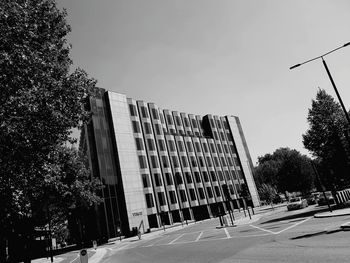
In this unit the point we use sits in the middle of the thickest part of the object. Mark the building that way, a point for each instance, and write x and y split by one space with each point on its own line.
162 167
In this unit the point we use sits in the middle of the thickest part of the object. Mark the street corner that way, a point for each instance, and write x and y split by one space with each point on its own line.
334 213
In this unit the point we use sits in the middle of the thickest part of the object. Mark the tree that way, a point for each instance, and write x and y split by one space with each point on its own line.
42 99
267 193
326 141
285 170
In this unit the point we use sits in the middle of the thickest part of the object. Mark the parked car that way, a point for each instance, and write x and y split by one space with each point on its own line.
323 201
296 203
311 199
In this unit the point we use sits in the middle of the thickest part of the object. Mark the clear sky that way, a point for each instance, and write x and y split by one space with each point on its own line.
225 57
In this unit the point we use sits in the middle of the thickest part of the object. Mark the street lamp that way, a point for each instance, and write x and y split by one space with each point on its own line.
330 76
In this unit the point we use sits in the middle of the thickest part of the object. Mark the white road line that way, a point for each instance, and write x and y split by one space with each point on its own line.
262 229
176 238
279 232
199 236
75 258
227 233
293 225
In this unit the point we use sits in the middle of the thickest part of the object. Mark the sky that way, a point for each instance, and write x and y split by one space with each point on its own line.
222 57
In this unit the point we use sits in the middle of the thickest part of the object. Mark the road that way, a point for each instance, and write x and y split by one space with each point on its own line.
284 236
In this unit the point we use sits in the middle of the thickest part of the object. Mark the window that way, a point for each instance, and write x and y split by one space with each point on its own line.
231 189
149 200
144 112
217 191
143 162
192 194
234 174
212 123
212 147
187 124
226 149
194 123
193 161
201 161
178 178
139 144
161 145
215 134
136 127
222 136
175 161
183 195
158 129
213 177
198 147
145 180
178 121
154 161
205 147
219 148
172 196
169 119
184 161
161 198
133 111
188 177
148 129
216 161
210 164
171 146
161 117
218 124
151 146
201 193
205 176
189 146
221 178
168 178
223 161
181 146
210 192
227 175
155 114
233 149
165 161
157 179
197 176
230 161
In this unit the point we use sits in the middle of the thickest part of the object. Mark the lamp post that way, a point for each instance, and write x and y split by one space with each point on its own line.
330 77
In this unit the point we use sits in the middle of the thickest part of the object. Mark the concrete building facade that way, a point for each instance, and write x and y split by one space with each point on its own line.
160 167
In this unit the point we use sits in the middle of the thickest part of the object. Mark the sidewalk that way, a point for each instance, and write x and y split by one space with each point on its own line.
338 212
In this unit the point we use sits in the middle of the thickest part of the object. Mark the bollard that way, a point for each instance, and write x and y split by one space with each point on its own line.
94 244
83 256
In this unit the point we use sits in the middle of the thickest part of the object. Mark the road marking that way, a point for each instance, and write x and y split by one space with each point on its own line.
75 258
262 229
176 239
279 232
227 233
199 236
293 225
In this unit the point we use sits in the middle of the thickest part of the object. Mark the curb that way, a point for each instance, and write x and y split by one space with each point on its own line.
345 226
328 214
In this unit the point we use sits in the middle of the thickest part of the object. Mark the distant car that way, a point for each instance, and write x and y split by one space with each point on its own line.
311 199
323 201
296 203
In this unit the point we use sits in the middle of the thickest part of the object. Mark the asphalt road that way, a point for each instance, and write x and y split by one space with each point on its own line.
285 236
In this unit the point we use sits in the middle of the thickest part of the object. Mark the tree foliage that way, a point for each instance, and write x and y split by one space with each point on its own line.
267 193
285 170
326 140
41 100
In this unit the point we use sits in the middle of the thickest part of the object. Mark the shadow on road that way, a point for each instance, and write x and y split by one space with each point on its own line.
294 216
317 234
